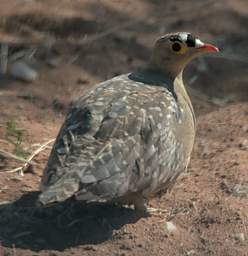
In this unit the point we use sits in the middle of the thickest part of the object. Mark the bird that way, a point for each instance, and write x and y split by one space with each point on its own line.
129 137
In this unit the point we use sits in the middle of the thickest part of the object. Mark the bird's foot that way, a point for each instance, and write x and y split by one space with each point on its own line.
140 207
157 211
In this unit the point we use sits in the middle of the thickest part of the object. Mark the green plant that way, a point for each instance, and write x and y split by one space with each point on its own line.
15 136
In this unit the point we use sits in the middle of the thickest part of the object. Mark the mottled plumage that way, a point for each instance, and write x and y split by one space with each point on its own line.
125 140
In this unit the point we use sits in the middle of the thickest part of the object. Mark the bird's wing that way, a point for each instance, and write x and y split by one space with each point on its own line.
98 152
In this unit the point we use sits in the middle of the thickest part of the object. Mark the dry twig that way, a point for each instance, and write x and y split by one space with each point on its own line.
8 154
6 142
21 169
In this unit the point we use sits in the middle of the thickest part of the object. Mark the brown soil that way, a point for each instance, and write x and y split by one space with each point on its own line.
206 206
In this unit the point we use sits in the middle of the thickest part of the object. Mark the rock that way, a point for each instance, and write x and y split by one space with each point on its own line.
245 128
243 145
4 202
239 237
22 71
191 252
240 190
170 227
54 62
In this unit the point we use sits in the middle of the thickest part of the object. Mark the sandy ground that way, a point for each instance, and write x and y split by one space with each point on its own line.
78 43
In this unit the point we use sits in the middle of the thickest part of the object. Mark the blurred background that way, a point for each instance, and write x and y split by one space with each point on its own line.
52 51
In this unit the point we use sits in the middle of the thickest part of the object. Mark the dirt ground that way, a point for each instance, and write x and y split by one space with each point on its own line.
73 45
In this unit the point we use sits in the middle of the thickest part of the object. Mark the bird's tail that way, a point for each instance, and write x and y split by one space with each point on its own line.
58 192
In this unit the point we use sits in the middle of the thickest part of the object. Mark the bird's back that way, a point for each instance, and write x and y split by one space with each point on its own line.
119 139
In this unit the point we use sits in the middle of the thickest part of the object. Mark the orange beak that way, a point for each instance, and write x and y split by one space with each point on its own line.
208 48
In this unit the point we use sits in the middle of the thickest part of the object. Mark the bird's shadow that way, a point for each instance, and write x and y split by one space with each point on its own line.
60 226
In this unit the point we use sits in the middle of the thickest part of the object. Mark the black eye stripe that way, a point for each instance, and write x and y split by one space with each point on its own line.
190 40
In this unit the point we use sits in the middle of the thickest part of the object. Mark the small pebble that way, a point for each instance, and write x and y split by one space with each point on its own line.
170 227
22 71
191 252
245 128
53 62
239 237
4 202
243 145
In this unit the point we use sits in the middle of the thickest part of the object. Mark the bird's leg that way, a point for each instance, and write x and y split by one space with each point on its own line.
140 205
141 208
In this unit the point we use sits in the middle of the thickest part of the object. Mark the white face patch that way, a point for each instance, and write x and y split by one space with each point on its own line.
184 36
198 43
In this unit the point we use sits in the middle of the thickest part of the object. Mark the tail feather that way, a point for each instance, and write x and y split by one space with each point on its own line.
99 172
58 192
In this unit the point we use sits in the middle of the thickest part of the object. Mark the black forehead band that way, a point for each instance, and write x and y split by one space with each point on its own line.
190 40
175 38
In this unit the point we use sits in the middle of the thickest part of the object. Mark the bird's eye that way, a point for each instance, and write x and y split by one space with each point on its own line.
176 47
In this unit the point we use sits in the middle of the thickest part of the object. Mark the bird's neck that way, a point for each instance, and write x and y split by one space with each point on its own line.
166 64
174 75
170 74
175 79
151 76
182 94
175 85
179 86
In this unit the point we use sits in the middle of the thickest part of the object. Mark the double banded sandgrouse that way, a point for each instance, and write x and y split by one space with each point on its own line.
129 137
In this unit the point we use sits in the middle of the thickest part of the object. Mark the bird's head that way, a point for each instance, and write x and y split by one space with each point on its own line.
172 52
